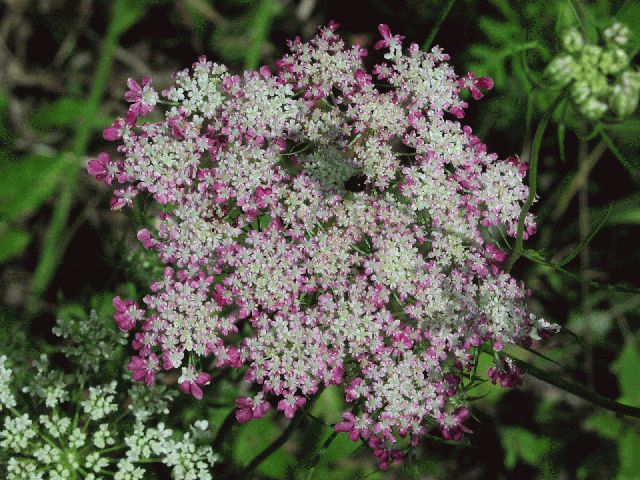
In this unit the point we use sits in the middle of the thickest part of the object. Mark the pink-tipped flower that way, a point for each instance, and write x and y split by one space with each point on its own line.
317 297
290 405
127 313
393 42
495 253
356 427
522 166
251 408
123 197
452 424
99 167
458 111
144 368
190 381
262 195
233 358
505 372
337 374
145 237
474 84
143 97
119 127
114 132
355 389
385 453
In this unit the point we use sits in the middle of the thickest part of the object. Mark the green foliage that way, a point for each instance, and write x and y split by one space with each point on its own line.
622 140
261 19
520 444
241 38
15 339
25 185
598 222
626 368
624 211
254 437
627 440
596 323
489 392
504 53
5 134
605 424
65 112
329 404
629 453
12 242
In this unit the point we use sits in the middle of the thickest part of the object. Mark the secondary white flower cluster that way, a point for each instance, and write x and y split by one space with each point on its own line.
7 400
89 341
61 427
89 437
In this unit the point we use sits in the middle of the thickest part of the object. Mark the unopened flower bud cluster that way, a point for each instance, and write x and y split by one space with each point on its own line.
600 78
323 225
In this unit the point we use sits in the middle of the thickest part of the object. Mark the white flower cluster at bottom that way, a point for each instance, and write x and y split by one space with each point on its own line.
86 438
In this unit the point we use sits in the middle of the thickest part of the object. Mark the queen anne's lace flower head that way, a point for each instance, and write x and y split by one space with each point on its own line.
324 225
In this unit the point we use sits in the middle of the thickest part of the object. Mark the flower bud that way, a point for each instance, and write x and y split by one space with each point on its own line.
599 85
580 91
624 99
613 61
572 41
631 78
560 70
617 33
593 108
591 55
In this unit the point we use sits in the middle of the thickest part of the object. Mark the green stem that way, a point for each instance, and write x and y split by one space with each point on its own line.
76 416
278 442
535 257
583 234
616 152
533 182
275 445
578 180
436 28
318 420
576 389
225 428
54 246
318 456
111 449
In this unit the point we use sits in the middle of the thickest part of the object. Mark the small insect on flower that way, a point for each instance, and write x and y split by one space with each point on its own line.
356 183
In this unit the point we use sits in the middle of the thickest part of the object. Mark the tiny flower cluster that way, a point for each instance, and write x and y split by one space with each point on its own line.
323 225
600 79
88 340
59 426
89 440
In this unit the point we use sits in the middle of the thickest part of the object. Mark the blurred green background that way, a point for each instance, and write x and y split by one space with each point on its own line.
64 66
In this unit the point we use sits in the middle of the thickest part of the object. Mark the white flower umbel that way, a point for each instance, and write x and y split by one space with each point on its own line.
46 440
